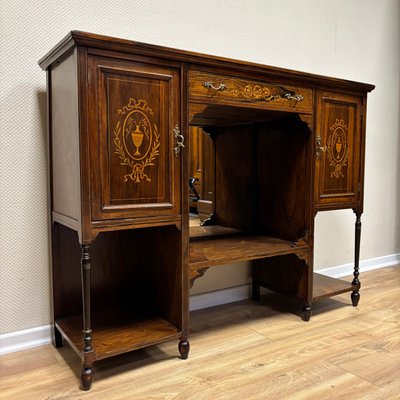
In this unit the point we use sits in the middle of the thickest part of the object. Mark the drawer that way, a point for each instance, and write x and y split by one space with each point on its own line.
224 89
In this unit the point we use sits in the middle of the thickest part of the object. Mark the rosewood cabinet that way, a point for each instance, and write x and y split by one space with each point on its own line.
129 124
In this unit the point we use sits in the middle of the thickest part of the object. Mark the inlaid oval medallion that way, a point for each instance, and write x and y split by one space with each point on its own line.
136 140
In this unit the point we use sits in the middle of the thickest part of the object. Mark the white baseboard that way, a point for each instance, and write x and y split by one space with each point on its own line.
21 340
26 339
218 297
365 265
243 292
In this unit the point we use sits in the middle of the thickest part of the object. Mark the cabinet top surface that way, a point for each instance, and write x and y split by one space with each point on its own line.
95 41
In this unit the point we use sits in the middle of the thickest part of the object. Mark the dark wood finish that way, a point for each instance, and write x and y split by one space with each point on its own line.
218 115
207 192
283 179
195 165
136 280
220 250
87 351
58 338
284 145
287 274
218 88
184 348
339 150
234 179
325 286
201 170
205 210
211 231
355 294
130 47
137 108
117 332
235 246
307 311
65 142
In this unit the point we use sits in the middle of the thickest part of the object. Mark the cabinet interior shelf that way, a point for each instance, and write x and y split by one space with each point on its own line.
225 245
117 332
325 286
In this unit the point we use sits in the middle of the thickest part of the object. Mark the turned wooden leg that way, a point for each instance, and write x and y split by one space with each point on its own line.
355 295
306 315
58 341
184 347
88 354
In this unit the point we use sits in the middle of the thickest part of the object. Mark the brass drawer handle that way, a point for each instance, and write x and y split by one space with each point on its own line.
297 97
290 95
209 85
179 139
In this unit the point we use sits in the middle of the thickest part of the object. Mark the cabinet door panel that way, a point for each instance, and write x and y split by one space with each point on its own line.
134 169
338 151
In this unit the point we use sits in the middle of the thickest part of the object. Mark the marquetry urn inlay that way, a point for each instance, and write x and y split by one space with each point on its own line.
136 140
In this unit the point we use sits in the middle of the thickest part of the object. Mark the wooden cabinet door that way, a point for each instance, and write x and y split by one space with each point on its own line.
134 115
339 151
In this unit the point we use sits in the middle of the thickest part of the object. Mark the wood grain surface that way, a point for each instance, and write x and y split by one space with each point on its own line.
243 350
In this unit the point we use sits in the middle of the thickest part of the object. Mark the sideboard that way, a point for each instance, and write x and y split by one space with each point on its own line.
281 146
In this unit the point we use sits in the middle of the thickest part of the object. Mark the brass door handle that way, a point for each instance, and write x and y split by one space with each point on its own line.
209 85
179 139
319 147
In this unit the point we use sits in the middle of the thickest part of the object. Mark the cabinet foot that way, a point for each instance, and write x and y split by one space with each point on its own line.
355 297
184 347
306 314
86 377
255 291
58 340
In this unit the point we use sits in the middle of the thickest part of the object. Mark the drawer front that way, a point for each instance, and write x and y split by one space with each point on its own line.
223 89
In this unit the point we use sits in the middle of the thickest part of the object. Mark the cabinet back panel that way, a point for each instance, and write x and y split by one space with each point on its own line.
233 174
286 274
282 177
262 175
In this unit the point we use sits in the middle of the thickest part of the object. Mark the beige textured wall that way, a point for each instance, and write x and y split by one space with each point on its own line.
357 39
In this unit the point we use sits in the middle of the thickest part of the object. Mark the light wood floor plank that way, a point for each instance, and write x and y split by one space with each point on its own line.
242 351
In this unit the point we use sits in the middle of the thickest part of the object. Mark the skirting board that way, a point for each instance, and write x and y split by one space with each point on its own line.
26 339
21 340
243 292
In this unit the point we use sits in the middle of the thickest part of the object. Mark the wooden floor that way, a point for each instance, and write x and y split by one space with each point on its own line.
244 350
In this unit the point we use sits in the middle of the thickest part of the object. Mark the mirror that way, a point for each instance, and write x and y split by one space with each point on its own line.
201 176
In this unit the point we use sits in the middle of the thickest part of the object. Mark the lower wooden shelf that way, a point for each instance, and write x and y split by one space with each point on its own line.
117 332
211 251
325 286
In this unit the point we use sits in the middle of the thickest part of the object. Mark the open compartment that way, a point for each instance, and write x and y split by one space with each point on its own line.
137 292
259 190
